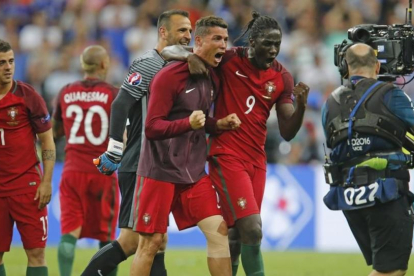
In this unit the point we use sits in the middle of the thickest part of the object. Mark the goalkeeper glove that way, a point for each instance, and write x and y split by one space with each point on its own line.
110 160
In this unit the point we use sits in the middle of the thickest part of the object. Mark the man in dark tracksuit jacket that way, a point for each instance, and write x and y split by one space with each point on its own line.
365 125
171 172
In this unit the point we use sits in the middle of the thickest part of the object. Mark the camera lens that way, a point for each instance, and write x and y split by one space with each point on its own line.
361 35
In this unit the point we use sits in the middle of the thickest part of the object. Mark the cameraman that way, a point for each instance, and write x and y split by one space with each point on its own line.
365 124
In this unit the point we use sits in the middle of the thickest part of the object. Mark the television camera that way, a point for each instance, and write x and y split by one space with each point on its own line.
392 43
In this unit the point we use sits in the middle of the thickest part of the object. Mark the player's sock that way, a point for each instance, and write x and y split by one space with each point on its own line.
115 270
235 267
37 271
105 260
158 266
66 254
2 270
252 261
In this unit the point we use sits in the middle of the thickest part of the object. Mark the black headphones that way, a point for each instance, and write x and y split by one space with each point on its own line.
343 65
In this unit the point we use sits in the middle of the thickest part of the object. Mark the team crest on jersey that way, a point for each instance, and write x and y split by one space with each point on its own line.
242 203
12 112
270 87
135 79
146 218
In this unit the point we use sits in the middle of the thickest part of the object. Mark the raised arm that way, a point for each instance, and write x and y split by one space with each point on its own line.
290 118
176 52
196 65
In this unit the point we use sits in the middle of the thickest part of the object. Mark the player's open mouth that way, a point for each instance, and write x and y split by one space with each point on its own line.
184 42
218 57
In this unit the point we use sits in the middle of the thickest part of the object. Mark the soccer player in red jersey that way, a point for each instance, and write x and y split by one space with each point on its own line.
130 109
24 191
171 171
89 200
252 82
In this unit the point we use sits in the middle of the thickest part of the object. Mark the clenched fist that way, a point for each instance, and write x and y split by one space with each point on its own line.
197 119
301 91
230 122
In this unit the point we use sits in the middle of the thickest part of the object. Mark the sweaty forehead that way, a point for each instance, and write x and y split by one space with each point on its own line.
271 34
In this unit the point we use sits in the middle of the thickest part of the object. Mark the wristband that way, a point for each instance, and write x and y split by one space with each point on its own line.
115 146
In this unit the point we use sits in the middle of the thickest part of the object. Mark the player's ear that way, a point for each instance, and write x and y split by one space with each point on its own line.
198 40
105 63
252 42
378 67
162 32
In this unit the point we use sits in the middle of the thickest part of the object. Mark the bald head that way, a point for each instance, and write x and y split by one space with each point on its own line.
94 60
362 60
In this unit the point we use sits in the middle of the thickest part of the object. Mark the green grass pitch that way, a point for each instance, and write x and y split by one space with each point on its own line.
192 262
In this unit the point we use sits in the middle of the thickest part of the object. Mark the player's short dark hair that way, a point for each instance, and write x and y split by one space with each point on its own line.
204 24
164 18
354 60
258 25
4 46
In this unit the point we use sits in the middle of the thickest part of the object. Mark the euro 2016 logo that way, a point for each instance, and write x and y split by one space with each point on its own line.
135 79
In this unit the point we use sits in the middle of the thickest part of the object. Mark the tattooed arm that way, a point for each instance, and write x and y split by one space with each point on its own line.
44 192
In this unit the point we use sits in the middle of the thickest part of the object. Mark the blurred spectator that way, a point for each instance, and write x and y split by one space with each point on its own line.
40 64
141 37
33 35
114 20
78 19
118 14
62 74
42 31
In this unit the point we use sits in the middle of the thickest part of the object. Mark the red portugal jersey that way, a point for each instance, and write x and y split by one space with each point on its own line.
23 113
84 107
251 94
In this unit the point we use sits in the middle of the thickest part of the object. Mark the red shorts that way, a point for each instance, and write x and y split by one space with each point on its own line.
240 186
154 200
90 201
31 222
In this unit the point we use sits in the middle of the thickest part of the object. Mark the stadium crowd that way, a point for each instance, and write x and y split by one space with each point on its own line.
48 36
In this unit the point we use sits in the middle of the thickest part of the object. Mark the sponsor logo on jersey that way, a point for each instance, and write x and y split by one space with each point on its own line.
135 79
12 112
146 218
32 183
242 203
45 119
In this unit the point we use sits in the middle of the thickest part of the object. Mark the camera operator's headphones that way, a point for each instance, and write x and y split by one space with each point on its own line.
343 65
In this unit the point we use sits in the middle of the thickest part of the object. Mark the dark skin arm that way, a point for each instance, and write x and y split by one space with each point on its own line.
289 118
178 52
